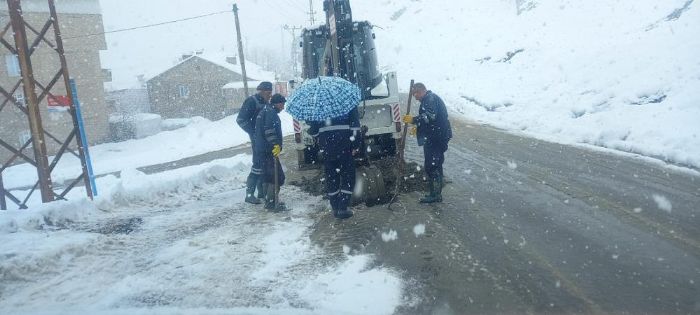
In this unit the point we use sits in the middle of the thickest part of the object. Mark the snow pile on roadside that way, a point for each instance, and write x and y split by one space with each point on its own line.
198 137
42 216
133 186
617 74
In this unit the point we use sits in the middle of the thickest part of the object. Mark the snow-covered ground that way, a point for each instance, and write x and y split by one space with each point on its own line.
181 242
178 242
198 137
622 75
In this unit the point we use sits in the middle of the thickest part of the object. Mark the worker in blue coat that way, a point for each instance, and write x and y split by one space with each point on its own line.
246 120
339 140
268 145
434 133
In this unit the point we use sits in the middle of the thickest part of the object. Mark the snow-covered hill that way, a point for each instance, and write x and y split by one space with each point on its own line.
618 74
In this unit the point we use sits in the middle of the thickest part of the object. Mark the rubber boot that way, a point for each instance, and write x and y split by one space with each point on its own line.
438 188
251 182
270 200
343 214
431 195
334 204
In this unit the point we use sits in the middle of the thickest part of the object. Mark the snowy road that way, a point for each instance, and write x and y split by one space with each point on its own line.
530 226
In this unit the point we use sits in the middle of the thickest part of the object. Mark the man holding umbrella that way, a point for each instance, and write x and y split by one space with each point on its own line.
246 120
329 106
339 142
434 133
268 145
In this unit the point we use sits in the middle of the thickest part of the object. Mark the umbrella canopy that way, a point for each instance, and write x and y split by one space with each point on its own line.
323 98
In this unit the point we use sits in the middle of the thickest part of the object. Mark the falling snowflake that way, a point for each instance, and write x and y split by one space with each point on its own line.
512 165
637 210
390 236
419 229
662 202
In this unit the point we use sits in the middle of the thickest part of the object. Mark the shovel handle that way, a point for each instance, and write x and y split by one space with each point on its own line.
402 144
277 184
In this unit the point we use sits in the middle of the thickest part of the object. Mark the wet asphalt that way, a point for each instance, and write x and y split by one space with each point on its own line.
530 227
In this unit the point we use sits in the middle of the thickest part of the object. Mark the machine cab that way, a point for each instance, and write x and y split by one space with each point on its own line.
362 62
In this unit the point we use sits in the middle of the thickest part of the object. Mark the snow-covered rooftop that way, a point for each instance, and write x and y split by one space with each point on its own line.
239 85
253 71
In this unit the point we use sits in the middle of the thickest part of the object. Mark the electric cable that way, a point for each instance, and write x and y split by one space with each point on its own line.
149 25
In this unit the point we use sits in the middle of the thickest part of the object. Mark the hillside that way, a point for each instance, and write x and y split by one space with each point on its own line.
617 74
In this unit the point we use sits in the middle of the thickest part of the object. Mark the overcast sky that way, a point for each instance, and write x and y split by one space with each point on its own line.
146 50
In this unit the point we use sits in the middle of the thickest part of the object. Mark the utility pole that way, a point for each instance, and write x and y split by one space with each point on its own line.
294 30
240 50
312 13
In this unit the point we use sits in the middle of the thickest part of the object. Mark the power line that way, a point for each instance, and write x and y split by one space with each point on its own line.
149 25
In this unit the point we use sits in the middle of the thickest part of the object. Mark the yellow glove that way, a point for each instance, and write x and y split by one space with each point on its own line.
413 131
407 119
276 149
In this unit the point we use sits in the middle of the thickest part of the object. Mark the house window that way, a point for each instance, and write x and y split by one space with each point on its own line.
12 66
184 91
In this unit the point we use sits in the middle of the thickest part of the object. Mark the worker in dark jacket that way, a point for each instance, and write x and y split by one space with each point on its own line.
339 140
268 145
246 120
434 132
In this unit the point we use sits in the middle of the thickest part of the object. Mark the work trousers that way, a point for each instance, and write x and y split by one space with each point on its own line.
257 168
340 181
256 171
434 153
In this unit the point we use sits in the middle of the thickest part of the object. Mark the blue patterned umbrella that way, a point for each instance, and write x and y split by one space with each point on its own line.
323 98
